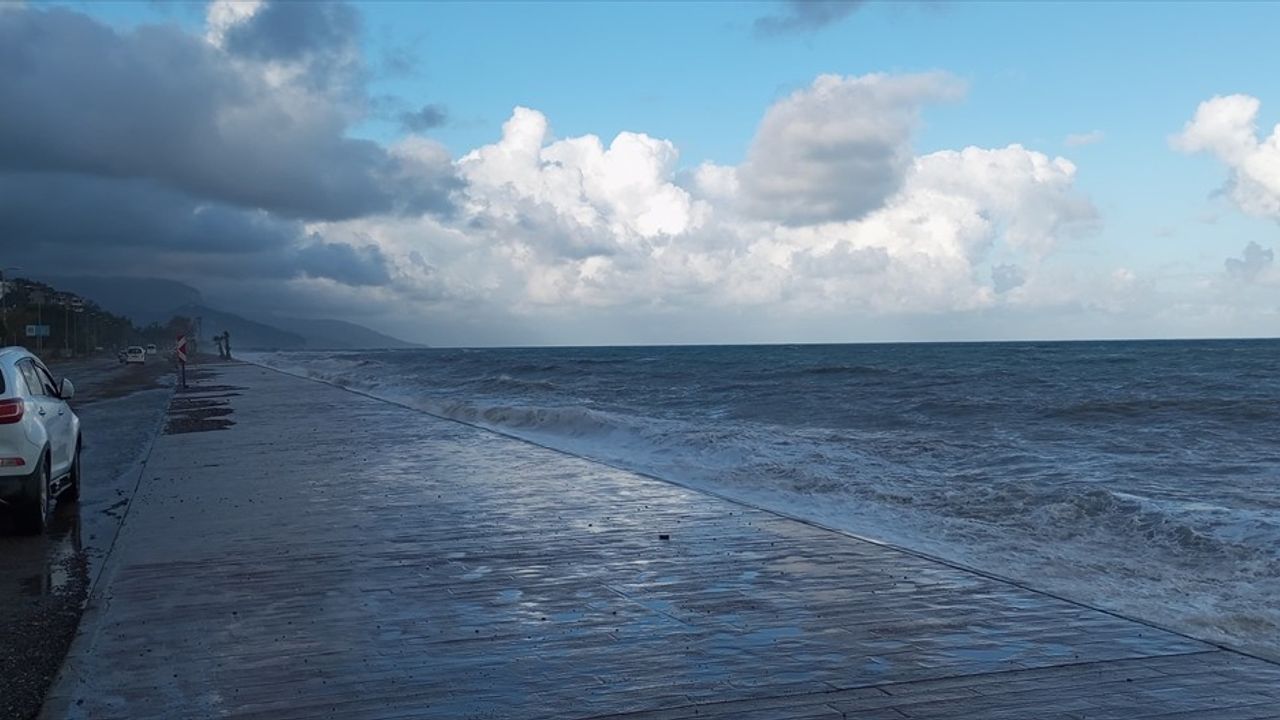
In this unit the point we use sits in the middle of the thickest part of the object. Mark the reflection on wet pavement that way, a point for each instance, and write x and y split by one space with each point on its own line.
332 555
49 558
44 580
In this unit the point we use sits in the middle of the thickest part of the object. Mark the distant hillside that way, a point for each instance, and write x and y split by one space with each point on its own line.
339 335
245 334
143 300
155 300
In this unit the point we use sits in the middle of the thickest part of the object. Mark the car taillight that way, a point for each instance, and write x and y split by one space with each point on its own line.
11 410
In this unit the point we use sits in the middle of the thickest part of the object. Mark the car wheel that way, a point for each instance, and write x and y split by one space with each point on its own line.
34 514
73 479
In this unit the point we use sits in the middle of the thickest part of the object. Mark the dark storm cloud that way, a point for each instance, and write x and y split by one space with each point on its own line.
345 263
294 30
424 118
95 216
78 224
161 104
805 16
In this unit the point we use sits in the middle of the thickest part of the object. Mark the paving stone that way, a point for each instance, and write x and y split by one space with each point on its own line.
331 555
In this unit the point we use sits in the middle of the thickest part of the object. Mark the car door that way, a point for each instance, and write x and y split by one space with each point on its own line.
50 412
59 423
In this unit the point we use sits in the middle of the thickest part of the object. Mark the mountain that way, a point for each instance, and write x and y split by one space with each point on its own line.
245 334
143 300
288 333
338 335
155 300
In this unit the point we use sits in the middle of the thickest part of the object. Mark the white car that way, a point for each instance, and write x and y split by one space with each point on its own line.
151 350
39 440
135 354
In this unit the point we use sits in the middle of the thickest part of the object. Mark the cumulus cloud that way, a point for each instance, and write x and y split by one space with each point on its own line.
1227 128
156 151
805 16
552 223
1255 262
160 104
224 159
837 149
616 195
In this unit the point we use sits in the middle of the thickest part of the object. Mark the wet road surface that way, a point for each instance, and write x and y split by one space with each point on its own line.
309 552
44 580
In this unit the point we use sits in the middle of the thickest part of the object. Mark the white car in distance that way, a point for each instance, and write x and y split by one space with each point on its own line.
135 355
39 440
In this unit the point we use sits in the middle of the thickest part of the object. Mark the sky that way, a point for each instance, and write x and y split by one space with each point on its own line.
631 173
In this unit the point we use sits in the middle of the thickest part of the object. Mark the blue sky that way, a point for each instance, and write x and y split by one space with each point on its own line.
696 73
701 76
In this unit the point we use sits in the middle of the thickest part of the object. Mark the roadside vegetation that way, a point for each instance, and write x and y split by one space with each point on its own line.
75 326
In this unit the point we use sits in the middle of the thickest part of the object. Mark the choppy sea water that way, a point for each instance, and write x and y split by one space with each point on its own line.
1142 477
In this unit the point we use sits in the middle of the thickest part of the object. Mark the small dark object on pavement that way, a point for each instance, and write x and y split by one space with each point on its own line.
664 536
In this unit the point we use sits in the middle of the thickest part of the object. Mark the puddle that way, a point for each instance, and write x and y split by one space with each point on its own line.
187 415
37 566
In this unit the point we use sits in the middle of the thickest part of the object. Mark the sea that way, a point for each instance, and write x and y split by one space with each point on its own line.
1139 477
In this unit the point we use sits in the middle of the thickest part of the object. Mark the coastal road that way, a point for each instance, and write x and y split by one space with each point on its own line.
44 580
296 550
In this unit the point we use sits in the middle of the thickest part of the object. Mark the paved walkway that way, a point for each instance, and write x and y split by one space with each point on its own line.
324 554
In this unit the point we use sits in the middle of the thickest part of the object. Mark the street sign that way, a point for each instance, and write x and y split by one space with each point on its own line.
37 331
181 351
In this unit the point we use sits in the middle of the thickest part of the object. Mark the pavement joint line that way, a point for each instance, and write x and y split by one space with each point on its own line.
780 513
730 671
818 695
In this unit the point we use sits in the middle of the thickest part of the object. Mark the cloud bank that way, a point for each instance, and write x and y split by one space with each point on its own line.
225 158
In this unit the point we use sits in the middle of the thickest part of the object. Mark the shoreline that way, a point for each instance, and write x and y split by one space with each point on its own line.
754 592
816 519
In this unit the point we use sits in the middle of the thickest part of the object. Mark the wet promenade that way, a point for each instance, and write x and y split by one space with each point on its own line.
298 551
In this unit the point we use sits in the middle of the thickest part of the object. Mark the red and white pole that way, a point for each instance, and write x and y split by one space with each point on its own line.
182 359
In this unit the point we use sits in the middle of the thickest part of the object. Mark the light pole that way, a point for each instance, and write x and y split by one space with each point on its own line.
77 307
4 302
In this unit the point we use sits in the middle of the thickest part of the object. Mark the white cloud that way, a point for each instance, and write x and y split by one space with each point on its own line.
222 15
1081 139
620 194
1227 127
550 225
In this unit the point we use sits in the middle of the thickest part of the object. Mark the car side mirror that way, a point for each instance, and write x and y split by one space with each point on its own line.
67 390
